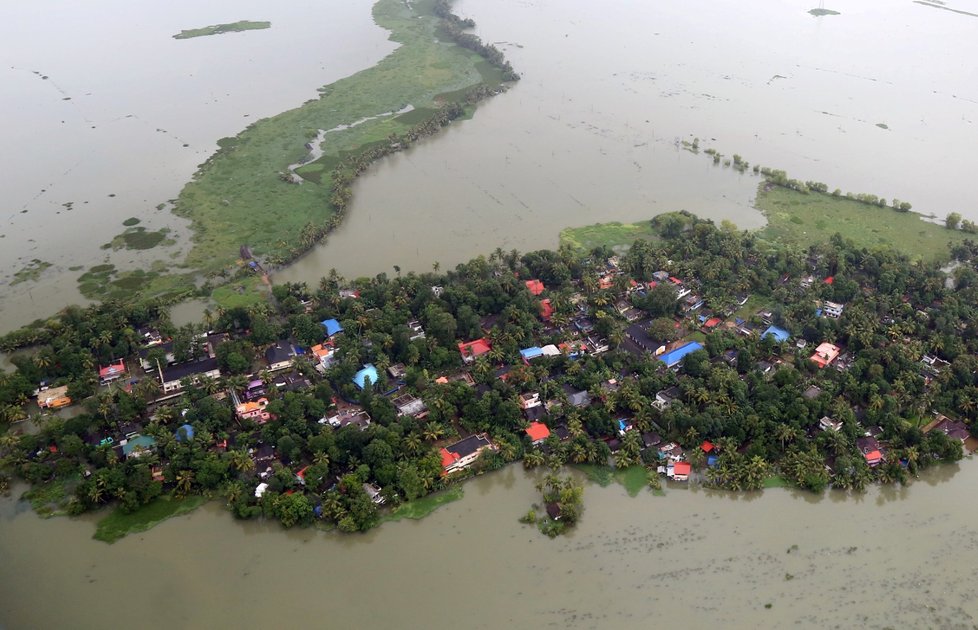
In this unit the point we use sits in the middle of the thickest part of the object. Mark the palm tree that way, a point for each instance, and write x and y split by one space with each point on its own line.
240 460
533 459
185 480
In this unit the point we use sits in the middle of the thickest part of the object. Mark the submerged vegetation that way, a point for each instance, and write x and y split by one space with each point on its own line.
30 272
120 523
218 29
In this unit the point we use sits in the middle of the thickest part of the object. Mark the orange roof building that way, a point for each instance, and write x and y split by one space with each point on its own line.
538 432
825 354
707 446
535 286
681 470
473 349
546 310
54 398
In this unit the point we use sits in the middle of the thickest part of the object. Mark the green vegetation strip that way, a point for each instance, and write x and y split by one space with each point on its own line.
217 29
775 481
420 508
802 219
119 524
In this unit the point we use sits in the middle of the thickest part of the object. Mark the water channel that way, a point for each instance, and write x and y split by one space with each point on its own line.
894 557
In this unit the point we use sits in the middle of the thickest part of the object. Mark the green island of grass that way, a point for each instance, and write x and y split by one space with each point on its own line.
218 29
420 508
119 524
634 478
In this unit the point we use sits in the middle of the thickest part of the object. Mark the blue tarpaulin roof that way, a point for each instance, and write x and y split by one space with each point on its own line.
780 334
531 353
332 327
368 372
185 432
675 356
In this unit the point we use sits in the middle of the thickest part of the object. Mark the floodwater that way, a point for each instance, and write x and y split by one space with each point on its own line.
106 117
610 88
895 557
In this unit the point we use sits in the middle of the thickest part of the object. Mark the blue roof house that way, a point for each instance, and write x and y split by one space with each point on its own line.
529 354
369 372
779 334
673 357
332 327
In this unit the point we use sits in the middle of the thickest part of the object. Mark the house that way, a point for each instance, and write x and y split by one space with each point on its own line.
597 345
253 410
825 354
332 327
535 286
638 334
530 400
870 448
812 392
529 354
833 310
374 493
172 377
53 398
409 405
473 349
650 439
281 355
464 452
149 336
562 433
671 451
665 398
546 310
346 417
675 356
954 429
367 373
538 432
624 426
577 398
255 389
680 471
780 334
415 331
290 382
707 447
111 372
323 355
550 350
828 424
397 371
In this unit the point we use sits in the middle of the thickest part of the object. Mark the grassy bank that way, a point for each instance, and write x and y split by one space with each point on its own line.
119 524
802 219
420 508
217 29
239 197
614 235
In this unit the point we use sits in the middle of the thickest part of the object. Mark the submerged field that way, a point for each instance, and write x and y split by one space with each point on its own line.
803 219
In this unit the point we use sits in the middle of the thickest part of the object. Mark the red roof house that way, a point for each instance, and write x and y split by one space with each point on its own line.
112 372
680 471
546 310
535 286
473 349
707 446
538 432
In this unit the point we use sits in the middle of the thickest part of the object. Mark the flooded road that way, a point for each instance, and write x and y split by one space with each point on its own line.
895 557
593 131
106 117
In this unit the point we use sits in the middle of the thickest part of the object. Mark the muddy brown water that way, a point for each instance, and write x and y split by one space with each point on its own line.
610 89
894 557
